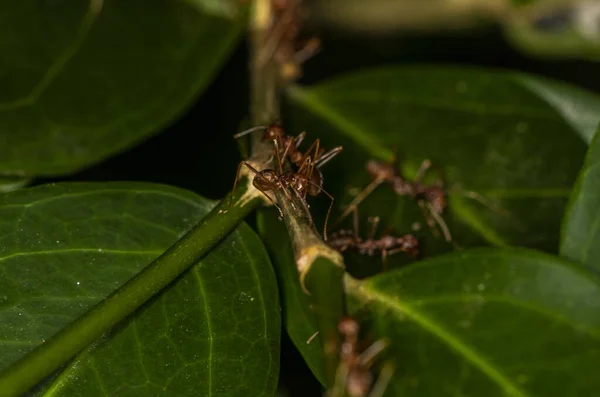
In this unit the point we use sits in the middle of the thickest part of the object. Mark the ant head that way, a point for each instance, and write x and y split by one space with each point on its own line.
348 327
272 132
266 180
410 244
388 241
381 170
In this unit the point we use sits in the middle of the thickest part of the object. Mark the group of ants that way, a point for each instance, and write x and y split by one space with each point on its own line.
304 178
354 372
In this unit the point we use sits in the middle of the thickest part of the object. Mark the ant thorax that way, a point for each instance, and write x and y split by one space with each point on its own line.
402 187
387 242
298 182
268 180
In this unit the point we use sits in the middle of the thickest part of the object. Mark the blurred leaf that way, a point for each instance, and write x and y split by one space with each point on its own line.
489 322
66 247
580 237
505 136
84 80
557 29
10 183
298 319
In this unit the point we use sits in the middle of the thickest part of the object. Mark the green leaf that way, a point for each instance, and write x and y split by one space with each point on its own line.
88 79
10 183
299 321
515 140
580 234
488 322
555 29
66 247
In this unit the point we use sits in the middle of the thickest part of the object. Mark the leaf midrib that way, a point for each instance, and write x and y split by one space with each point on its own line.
452 341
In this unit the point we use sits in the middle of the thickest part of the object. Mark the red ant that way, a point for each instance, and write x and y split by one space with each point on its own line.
386 244
353 375
299 182
431 198
276 133
282 40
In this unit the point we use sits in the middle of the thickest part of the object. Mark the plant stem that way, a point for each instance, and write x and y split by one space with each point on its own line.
60 348
325 283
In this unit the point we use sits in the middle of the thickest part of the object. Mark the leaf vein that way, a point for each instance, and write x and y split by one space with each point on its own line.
449 339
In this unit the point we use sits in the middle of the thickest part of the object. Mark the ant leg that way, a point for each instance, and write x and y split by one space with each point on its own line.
341 378
308 50
328 211
279 164
249 130
237 176
313 146
486 202
366 357
384 255
327 156
355 216
308 162
273 202
423 168
436 218
306 209
298 139
382 382
374 223
359 198
285 152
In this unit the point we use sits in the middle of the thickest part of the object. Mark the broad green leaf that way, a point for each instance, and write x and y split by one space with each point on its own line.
488 322
83 80
299 320
66 247
10 183
580 234
515 140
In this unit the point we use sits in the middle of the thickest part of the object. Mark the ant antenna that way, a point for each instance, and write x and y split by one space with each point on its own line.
249 130
328 156
441 223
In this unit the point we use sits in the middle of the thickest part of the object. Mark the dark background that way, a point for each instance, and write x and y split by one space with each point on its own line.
187 153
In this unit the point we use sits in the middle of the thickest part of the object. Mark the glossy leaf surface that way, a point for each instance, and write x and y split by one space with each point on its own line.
66 247
512 141
580 239
83 80
489 322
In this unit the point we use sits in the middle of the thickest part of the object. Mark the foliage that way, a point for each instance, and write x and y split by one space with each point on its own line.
510 308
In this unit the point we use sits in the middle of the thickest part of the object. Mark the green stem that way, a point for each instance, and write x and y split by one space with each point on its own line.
321 271
63 346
